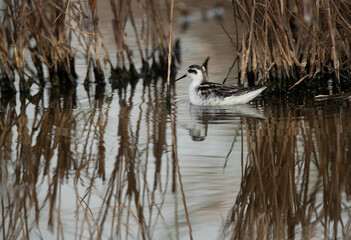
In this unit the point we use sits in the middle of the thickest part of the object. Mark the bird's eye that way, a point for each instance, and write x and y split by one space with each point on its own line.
192 71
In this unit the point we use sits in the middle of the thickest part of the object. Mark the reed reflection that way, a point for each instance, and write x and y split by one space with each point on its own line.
29 140
296 179
56 161
109 169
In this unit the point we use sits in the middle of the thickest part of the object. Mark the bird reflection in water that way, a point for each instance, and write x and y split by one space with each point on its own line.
202 116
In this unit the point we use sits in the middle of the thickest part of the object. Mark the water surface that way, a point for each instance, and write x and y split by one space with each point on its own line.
120 164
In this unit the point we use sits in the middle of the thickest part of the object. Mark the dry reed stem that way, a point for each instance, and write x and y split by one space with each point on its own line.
246 51
174 141
332 37
298 82
136 32
170 46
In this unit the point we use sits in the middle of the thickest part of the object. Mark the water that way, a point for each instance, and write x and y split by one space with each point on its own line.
117 164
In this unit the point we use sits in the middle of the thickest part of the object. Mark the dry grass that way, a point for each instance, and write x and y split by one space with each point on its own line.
150 36
287 41
45 30
54 32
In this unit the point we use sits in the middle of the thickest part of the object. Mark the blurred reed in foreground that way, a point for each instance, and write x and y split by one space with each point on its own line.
297 178
296 45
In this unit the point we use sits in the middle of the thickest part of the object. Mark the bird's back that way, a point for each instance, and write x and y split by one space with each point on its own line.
221 94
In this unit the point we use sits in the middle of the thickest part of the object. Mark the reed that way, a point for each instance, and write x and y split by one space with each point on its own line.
295 45
150 38
90 38
49 24
43 30
55 32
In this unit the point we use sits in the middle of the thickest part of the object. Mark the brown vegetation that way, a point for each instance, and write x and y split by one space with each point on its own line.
295 44
54 32
45 30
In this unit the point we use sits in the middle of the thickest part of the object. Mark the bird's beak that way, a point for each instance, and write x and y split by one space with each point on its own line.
181 77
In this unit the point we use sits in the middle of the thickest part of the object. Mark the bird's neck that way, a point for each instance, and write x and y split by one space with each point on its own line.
199 80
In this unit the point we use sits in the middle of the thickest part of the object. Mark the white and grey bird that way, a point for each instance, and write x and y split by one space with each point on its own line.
203 92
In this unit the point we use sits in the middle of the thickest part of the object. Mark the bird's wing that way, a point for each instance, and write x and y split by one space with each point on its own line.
223 90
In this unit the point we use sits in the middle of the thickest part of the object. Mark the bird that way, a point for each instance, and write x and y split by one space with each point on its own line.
204 92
